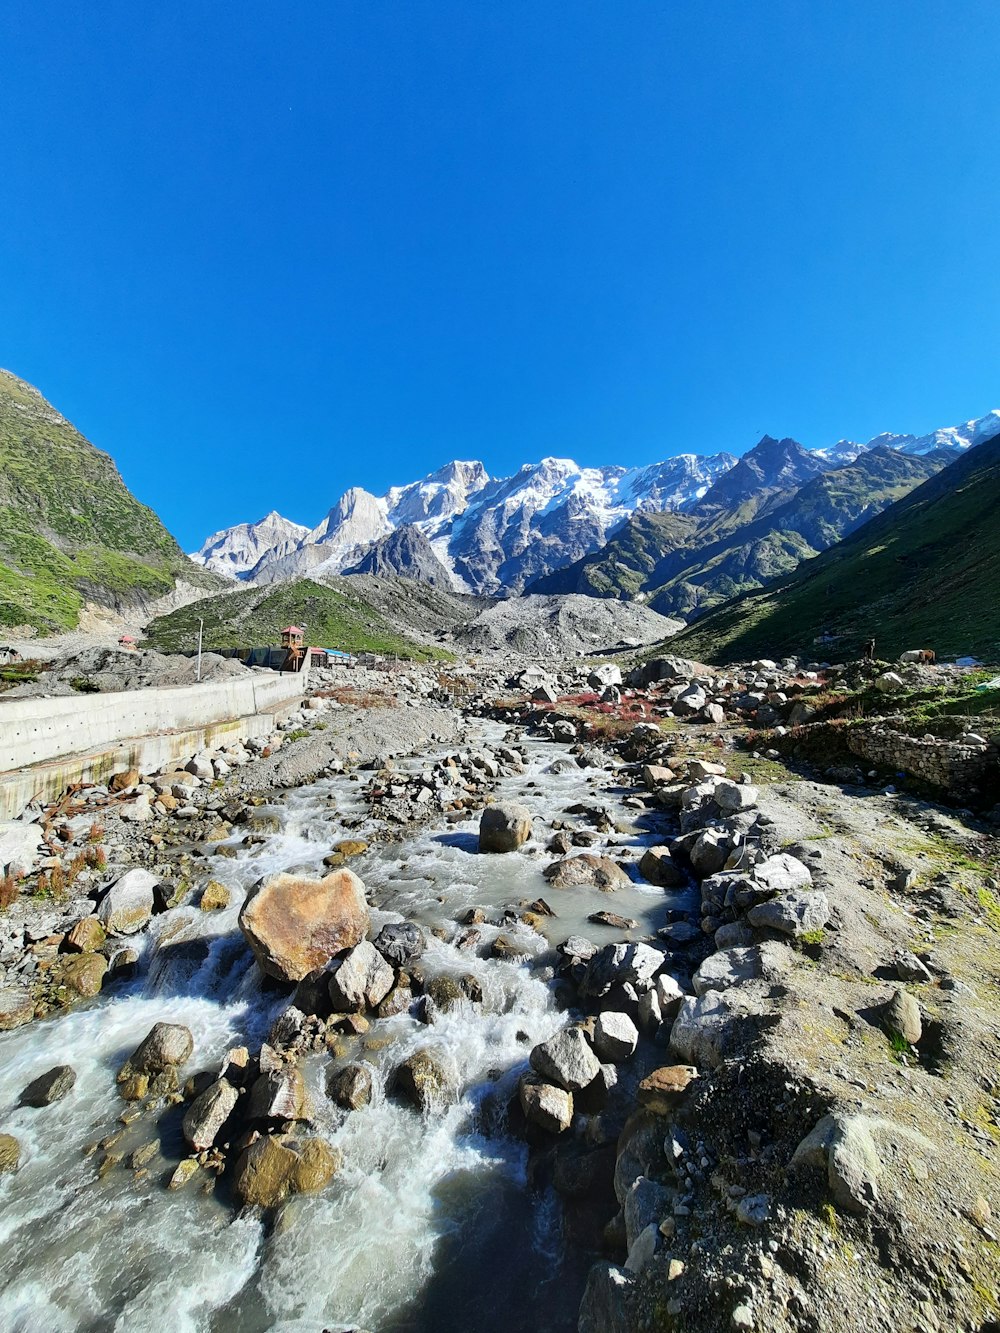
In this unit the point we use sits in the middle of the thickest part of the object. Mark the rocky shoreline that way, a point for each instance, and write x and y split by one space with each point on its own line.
777 1110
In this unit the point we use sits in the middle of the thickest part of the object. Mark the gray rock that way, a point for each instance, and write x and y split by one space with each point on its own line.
504 827
901 1017
16 1008
208 1113
643 1248
793 913
566 1060
608 673
844 1146
427 1080
598 872
615 1037
645 1203
280 1094
545 1105
359 980
604 1308
19 845
753 1210
729 967
909 967
620 964
659 867
732 797
783 873
49 1087
400 942
128 905
710 852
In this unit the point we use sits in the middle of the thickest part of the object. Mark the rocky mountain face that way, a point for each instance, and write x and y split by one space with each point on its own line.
235 552
776 508
923 573
71 532
490 534
555 526
407 552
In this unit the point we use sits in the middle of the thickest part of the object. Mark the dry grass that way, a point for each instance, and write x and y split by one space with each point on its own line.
10 890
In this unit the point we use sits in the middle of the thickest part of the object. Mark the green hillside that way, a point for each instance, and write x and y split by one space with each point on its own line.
70 530
746 531
254 616
924 573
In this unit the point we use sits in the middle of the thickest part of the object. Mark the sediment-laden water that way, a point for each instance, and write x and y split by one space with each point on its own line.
431 1223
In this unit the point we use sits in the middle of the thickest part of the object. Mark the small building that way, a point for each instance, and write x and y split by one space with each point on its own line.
127 643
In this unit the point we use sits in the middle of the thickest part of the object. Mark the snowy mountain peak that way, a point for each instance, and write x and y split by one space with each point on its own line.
234 552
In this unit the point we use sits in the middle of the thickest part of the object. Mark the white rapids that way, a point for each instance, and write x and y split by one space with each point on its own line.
431 1223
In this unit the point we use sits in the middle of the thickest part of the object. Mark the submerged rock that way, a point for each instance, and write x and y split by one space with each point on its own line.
271 1169
295 924
49 1087
598 872
10 1153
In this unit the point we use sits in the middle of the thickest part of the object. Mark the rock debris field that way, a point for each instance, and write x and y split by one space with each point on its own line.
704 1041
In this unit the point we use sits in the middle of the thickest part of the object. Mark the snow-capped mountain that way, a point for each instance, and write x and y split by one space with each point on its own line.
494 535
234 552
947 437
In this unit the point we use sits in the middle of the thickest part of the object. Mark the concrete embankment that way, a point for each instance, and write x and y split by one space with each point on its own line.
47 744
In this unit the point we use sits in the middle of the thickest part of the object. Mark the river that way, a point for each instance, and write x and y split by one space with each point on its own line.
430 1224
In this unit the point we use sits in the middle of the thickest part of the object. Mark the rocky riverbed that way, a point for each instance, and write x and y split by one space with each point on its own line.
688 1039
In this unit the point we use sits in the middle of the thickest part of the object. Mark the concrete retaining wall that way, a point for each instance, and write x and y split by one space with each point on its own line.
35 731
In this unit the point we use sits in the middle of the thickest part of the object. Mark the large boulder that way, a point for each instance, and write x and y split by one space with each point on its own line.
10 1153
360 980
608 673
504 827
164 1044
793 913
52 1086
843 1146
901 1017
87 936
208 1113
350 1087
783 873
660 1090
295 924
618 965
128 904
566 1060
598 872
615 1037
84 973
271 1169
659 867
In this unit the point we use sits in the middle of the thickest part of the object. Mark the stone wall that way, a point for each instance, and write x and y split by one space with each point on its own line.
955 766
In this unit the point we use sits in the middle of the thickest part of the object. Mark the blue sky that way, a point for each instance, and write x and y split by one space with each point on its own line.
263 252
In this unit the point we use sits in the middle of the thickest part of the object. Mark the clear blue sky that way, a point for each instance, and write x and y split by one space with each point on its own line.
261 252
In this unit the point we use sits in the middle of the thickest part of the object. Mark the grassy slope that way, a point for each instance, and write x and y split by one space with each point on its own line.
250 617
622 567
925 573
70 530
739 551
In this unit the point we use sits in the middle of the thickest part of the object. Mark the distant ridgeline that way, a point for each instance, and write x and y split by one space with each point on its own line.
70 530
925 573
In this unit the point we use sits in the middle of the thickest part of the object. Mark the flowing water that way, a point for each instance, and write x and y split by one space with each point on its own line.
431 1223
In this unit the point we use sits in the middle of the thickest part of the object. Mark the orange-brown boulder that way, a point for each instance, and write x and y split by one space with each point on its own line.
295 924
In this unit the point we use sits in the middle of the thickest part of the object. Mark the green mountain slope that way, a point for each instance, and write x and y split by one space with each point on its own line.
340 617
749 528
70 530
924 573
